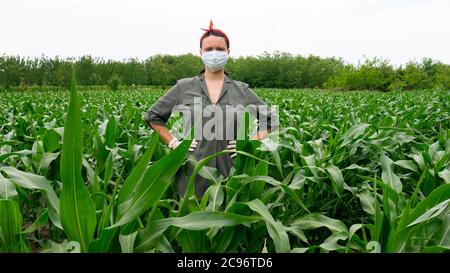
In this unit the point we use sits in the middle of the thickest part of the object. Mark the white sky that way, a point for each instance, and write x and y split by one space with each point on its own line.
399 30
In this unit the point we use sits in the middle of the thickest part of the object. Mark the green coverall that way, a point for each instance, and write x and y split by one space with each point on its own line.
185 94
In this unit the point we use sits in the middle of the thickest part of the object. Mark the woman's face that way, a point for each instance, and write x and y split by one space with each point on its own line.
214 43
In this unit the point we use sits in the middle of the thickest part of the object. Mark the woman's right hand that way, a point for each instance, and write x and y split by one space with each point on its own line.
173 144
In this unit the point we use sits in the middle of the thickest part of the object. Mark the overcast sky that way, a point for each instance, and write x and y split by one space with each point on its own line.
399 30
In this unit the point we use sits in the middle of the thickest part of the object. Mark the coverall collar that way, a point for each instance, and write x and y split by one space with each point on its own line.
201 75
225 87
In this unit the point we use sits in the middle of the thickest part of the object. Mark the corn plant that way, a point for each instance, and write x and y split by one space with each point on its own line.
353 172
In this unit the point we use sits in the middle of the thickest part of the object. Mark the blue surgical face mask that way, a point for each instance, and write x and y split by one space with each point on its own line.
215 60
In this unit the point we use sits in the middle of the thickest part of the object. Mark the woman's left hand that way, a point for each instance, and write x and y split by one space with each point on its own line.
232 146
193 145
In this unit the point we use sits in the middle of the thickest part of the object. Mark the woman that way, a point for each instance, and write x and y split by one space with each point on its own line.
220 101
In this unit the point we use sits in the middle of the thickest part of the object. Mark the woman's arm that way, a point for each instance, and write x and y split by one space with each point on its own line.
267 117
160 112
162 131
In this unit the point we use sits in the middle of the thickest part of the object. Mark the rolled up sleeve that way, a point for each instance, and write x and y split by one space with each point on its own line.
267 117
161 110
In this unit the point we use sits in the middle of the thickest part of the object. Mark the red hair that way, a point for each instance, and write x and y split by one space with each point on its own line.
213 32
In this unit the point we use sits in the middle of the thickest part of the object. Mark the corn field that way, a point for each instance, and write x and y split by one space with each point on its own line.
353 172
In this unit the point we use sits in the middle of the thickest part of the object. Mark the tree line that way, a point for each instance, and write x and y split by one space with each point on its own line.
277 70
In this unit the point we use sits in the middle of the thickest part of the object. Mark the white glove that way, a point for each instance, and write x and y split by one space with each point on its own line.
173 144
193 145
232 146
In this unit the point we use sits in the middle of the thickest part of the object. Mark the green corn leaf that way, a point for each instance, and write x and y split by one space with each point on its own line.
257 187
110 134
132 182
216 197
7 189
445 174
353 133
105 242
127 242
10 226
407 164
432 213
275 228
51 141
388 176
108 172
154 183
337 178
77 208
164 246
367 201
199 220
373 247
313 221
64 247
437 196
32 181
5 156
310 163
330 244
